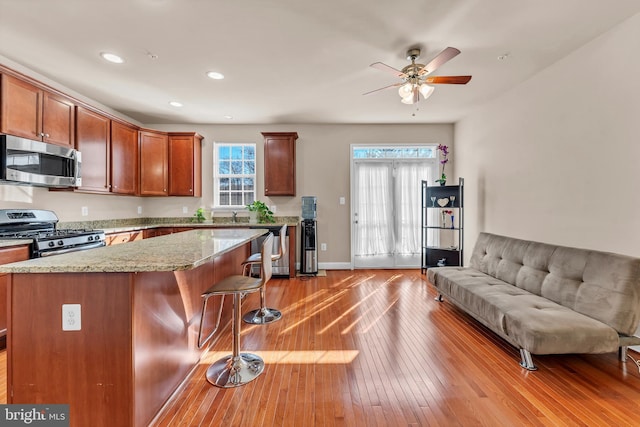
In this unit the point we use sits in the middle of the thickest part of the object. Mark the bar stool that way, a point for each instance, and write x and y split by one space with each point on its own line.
239 368
264 315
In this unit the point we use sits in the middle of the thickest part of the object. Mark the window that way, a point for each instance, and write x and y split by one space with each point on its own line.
234 176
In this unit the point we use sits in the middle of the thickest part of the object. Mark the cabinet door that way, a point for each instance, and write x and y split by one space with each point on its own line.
185 165
92 140
58 119
8 255
21 107
153 164
280 163
124 159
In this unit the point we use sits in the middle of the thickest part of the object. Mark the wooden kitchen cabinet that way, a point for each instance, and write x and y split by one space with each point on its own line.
154 180
8 255
185 164
31 112
93 134
124 158
125 237
280 163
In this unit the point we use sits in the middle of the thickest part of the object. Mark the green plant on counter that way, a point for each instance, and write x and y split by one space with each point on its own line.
199 215
264 213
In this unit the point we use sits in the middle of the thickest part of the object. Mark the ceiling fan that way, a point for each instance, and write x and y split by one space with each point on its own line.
415 77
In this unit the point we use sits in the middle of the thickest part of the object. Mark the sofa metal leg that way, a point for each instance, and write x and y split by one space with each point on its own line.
527 360
622 353
438 298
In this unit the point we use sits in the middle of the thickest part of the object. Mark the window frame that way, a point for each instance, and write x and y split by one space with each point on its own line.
217 175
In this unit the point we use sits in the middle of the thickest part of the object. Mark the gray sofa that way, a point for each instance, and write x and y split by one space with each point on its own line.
547 299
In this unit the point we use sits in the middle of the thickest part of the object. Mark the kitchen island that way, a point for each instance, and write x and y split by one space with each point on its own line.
135 340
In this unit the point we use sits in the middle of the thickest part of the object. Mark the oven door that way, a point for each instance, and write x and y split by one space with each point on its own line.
38 163
68 250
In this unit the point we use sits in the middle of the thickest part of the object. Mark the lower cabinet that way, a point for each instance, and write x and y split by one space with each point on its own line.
8 255
130 236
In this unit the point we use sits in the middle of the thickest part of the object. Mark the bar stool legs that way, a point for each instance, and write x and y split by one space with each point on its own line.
239 368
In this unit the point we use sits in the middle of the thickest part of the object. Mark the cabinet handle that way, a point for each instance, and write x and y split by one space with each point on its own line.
41 133
46 135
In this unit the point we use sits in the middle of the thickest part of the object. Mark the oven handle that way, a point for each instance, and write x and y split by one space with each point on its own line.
74 249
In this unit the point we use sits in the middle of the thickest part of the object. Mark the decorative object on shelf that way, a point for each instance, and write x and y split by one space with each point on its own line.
443 161
453 199
199 215
433 201
263 212
443 202
442 262
444 218
452 220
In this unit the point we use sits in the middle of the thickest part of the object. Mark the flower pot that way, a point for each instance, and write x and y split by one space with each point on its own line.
442 183
253 217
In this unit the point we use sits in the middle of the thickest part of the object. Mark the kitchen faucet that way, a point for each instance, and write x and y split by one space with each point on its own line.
234 216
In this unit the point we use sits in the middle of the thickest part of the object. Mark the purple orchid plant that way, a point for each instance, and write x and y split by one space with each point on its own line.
443 161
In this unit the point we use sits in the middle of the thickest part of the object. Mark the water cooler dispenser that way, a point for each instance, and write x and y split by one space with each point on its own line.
308 244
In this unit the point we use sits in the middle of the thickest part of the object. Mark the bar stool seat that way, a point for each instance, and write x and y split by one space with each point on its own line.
264 314
239 368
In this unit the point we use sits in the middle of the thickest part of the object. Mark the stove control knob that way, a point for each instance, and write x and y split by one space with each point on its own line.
90 238
51 244
60 243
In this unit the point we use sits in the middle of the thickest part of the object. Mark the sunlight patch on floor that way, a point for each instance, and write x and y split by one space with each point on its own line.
293 357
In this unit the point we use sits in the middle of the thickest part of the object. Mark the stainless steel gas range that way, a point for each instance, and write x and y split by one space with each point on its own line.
41 227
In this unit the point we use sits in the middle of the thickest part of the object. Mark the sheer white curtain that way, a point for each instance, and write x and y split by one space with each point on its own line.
408 195
374 207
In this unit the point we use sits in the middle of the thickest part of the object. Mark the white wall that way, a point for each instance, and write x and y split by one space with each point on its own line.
557 158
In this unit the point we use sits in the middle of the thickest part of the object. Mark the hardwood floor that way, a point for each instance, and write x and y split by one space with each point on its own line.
373 348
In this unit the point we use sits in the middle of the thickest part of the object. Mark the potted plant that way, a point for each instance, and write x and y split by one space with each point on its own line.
199 215
262 211
443 161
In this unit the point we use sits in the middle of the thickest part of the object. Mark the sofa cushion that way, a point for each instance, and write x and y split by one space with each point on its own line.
544 327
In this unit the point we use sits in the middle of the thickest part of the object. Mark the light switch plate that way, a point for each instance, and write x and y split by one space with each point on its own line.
185 209
71 317
85 211
139 210
342 200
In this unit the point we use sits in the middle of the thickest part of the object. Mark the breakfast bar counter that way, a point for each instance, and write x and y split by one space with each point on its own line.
133 339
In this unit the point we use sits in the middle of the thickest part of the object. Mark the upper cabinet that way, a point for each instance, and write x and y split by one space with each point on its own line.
34 113
153 164
185 164
124 158
280 163
93 139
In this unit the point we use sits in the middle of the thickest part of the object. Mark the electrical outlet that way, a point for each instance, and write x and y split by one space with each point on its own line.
323 246
71 317
185 209
85 211
273 208
139 210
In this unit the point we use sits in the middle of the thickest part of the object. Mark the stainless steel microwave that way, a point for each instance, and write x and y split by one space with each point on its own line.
24 161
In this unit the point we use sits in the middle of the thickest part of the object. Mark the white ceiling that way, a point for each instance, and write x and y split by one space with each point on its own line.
294 61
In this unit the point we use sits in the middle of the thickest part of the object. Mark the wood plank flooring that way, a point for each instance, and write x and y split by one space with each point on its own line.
373 348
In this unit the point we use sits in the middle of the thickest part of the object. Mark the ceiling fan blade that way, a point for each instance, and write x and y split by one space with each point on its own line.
451 80
387 68
383 88
440 59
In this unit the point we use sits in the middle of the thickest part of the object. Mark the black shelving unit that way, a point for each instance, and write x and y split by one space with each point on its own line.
442 236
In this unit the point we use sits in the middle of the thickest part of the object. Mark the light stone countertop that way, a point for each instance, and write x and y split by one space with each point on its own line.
7 243
173 252
206 224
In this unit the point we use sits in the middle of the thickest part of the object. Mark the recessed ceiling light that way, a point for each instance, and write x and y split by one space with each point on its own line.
215 75
228 117
111 57
175 104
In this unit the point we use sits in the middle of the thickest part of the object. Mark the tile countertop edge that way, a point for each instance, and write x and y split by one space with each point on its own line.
174 252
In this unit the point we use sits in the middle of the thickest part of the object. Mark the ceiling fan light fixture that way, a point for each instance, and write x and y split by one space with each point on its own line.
409 99
405 90
426 90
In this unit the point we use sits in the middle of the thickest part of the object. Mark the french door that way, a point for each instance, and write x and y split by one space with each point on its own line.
386 211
